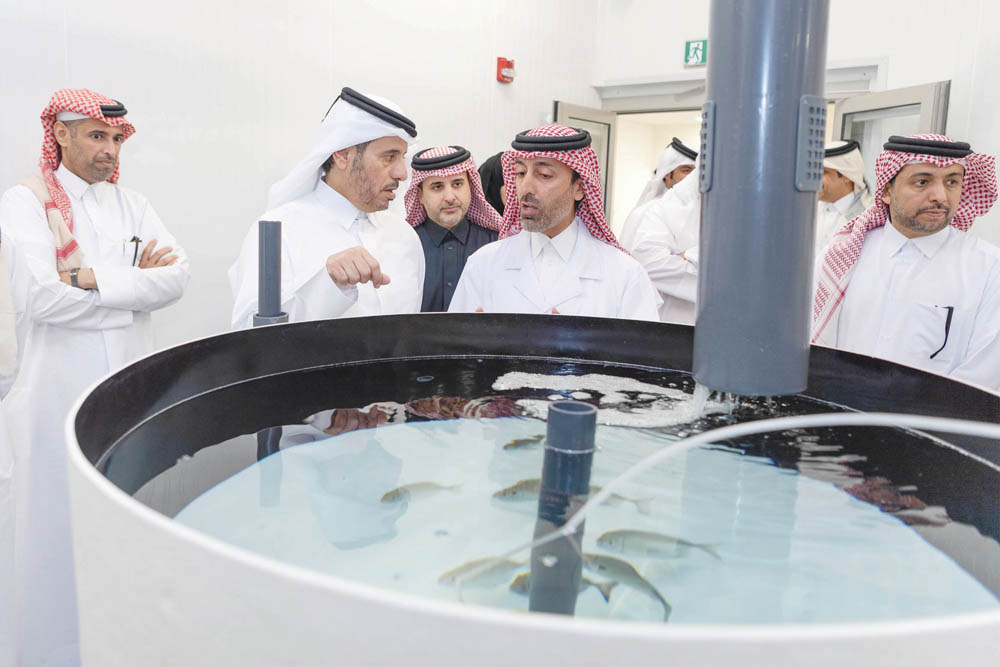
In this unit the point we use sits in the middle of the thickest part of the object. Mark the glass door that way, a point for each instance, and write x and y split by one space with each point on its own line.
872 118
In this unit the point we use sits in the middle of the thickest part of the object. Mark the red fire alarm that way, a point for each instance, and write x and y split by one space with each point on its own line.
505 70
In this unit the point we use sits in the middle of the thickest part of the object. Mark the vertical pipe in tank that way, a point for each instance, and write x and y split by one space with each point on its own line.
556 567
269 274
763 132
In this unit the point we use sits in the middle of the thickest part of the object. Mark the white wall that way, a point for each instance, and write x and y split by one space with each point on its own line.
923 41
226 95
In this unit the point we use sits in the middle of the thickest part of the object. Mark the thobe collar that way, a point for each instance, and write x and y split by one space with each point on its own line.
893 241
344 212
563 243
438 234
844 203
521 252
76 186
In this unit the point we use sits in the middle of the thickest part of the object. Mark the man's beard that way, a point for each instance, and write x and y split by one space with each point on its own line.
546 217
368 191
95 173
901 219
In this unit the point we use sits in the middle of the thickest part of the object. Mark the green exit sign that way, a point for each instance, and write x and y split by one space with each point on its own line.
696 52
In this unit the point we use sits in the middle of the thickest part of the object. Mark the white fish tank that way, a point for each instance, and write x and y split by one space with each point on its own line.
393 514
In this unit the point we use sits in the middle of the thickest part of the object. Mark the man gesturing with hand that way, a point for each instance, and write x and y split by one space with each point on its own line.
339 244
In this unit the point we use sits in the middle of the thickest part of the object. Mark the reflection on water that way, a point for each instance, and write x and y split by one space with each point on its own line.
788 527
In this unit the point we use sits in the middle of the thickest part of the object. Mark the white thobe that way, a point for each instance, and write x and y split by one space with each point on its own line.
931 303
667 227
831 216
574 273
314 227
75 337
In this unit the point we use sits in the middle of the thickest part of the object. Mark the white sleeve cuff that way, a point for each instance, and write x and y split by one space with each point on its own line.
116 286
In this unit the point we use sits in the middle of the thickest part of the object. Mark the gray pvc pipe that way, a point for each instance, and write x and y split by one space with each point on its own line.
557 567
762 145
269 274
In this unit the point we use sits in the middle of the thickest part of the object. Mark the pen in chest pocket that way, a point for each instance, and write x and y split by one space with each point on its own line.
947 328
134 241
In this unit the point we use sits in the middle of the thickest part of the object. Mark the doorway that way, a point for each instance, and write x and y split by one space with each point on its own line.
629 142
641 139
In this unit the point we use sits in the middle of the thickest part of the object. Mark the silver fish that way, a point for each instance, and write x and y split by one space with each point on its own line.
528 489
525 442
415 491
486 572
625 574
641 543
522 585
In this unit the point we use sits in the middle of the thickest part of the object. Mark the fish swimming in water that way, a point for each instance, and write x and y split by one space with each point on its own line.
486 572
639 543
525 442
416 491
522 585
528 489
625 574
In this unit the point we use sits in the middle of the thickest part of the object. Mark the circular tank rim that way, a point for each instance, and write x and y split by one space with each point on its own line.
986 622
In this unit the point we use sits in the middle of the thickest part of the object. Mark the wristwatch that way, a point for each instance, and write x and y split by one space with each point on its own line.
72 278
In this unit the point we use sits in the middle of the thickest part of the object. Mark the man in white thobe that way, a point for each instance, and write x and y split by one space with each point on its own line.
676 162
666 244
556 253
342 253
845 193
919 291
97 261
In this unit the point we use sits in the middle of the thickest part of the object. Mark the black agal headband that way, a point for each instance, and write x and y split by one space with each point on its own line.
431 163
113 110
842 150
679 146
380 111
927 147
523 142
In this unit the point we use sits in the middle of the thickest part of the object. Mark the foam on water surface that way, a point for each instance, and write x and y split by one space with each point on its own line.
771 545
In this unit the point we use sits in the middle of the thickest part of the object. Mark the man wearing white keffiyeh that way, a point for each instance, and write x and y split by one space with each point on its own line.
676 162
918 291
342 253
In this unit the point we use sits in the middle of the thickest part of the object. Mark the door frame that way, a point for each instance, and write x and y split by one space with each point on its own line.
564 113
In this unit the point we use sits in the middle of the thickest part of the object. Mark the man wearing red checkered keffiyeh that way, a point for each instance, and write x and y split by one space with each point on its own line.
918 291
446 206
93 260
556 253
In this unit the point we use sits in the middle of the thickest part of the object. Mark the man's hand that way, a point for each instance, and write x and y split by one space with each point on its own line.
84 277
355 265
151 260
